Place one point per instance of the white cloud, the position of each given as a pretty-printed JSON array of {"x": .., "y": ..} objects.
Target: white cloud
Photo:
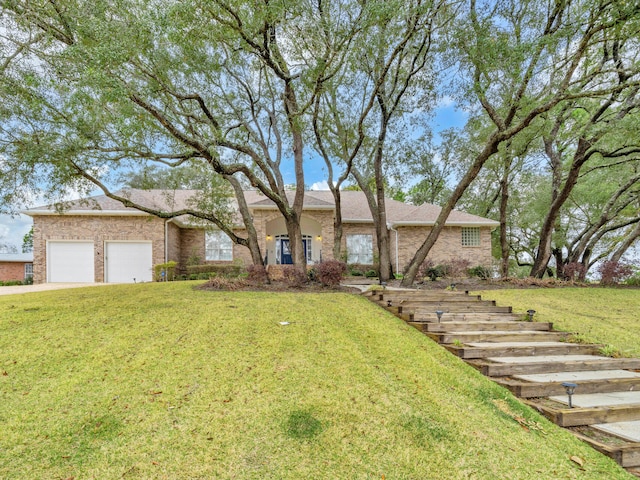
[
  {"x": 322, "y": 185},
  {"x": 13, "y": 229}
]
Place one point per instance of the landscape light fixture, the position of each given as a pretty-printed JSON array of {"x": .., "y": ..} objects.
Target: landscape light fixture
[
  {"x": 531, "y": 312},
  {"x": 384, "y": 285},
  {"x": 388, "y": 303},
  {"x": 453, "y": 286},
  {"x": 439, "y": 314},
  {"x": 570, "y": 388}
]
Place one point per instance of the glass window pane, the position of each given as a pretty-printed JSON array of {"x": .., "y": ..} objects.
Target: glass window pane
[
  {"x": 470, "y": 236},
  {"x": 218, "y": 246},
  {"x": 360, "y": 249}
]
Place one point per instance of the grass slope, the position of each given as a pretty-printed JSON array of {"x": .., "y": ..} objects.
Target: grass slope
[
  {"x": 600, "y": 315},
  {"x": 162, "y": 381}
]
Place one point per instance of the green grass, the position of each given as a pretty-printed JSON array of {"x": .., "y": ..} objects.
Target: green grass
[
  {"x": 608, "y": 316},
  {"x": 162, "y": 381}
]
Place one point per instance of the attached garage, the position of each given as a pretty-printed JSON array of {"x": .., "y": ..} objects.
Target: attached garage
[
  {"x": 69, "y": 261},
  {"x": 128, "y": 262}
]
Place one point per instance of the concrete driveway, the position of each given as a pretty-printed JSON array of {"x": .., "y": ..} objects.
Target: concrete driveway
[{"x": 43, "y": 287}]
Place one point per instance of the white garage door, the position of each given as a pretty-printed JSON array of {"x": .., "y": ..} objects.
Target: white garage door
[
  {"x": 128, "y": 262},
  {"x": 70, "y": 262}
]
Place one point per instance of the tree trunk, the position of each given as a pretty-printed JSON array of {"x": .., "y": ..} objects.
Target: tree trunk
[
  {"x": 337, "y": 224},
  {"x": 544, "y": 245},
  {"x": 252, "y": 236},
  {"x": 622, "y": 249},
  {"x": 504, "y": 202},
  {"x": 412, "y": 269},
  {"x": 292, "y": 219}
]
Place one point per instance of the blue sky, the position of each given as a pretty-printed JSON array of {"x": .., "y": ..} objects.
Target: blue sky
[{"x": 12, "y": 230}]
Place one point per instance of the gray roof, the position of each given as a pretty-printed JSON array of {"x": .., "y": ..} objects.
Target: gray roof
[
  {"x": 16, "y": 257},
  {"x": 355, "y": 208}
]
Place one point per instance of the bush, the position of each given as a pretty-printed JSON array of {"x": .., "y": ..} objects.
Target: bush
[
  {"x": 429, "y": 269},
  {"x": 481, "y": 272},
  {"x": 612, "y": 273},
  {"x": 257, "y": 274},
  {"x": 229, "y": 270},
  {"x": 330, "y": 272},
  {"x": 294, "y": 276},
  {"x": 165, "y": 272},
  {"x": 457, "y": 267},
  {"x": 573, "y": 271},
  {"x": 222, "y": 283}
]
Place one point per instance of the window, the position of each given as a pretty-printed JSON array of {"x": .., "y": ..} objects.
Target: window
[
  {"x": 218, "y": 246},
  {"x": 360, "y": 249},
  {"x": 28, "y": 270},
  {"x": 470, "y": 236}
]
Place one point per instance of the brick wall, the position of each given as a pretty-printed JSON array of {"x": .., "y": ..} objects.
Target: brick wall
[
  {"x": 447, "y": 247},
  {"x": 10, "y": 271},
  {"x": 97, "y": 229}
]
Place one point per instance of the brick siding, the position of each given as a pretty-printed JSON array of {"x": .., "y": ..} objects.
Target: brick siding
[
  {"x": 10, "y": 271},
  {"x": 97, "y": 229}
]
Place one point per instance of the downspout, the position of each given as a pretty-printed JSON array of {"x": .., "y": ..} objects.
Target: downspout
[
  {"x": 166, "y": 240},
  {"x": 397, "y": 260}
]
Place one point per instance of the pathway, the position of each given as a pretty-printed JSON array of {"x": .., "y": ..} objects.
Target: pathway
[{"x": 535, "y": 362}]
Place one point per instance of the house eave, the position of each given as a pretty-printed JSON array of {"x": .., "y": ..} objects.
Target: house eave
[
  {"x": 491, "y": 224},
  {"x": 99, "y": 213}
]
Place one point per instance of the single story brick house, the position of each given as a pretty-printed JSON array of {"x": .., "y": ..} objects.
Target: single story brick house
[
  {"x": 15, "y": 266},
  {"x": 100, "y": 240}
]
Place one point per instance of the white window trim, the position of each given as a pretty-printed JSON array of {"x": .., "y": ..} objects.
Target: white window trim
[{"x": 215, "y": 254}]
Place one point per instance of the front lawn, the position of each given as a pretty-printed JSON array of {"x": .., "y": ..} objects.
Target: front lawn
[
  {"x": 163, "y": 381},
  {"x": 610, "y": 316}
]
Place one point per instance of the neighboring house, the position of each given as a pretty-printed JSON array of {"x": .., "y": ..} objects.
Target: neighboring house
[
  {"x": 100, "y": 240},
  {"x": 15, "y": 266}
]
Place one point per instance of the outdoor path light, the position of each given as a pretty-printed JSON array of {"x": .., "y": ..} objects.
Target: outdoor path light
[
  {"x": 531, "y": 312},
  {"x": 570, "y": 388},
  {"x": 439, "y": 314}
]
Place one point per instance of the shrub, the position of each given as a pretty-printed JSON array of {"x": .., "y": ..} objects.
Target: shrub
[
  {"x": 257, "y": 274},
  {"x": 223, "y": 283},
  {"x": 574, "y": 271},
  {"x": 330, "y": 272},
  {"x": 168, "y": 269},
  {"x": 429, "y": 269},
  {"x": 457, "y": 267},
  {"x": 612, "y": 272},
  {"x": 481, "y": 272},
  {"x": 357, "y": 269},
  {"x": 229, "y": 270},
  {"x": 294, "y": 276}
]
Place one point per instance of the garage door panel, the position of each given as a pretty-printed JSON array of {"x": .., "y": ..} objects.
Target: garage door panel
[
  {"x": 128, "y": 262},
  {"x": 71, "y": 262}
]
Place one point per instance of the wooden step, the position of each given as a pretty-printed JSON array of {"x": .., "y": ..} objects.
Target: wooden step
[
  {"x": 573, "y": 417},
  {"x": 524, "y": 389},
  {"x": 456, "y": 309},
  {"x": 432, "y": 298},
  {"x": 626, "y": 455},
  {"x": 522, "y": 349},
  {"x": 420, "y": 294},
  {"x": 484, "y": 326},
  {"x": 497, "y": 336},
  {"x": 542, "y": 365},
  {"x": 429, "y": 316}
]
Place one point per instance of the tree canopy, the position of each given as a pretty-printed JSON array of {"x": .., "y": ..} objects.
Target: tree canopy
[{"x": 224, "y": 95}]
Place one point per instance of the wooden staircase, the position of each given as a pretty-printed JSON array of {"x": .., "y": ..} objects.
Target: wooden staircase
[{"x": 533, "y": 361}]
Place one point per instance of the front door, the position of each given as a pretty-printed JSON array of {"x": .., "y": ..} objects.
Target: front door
[{"x": 285, "y": 252}]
